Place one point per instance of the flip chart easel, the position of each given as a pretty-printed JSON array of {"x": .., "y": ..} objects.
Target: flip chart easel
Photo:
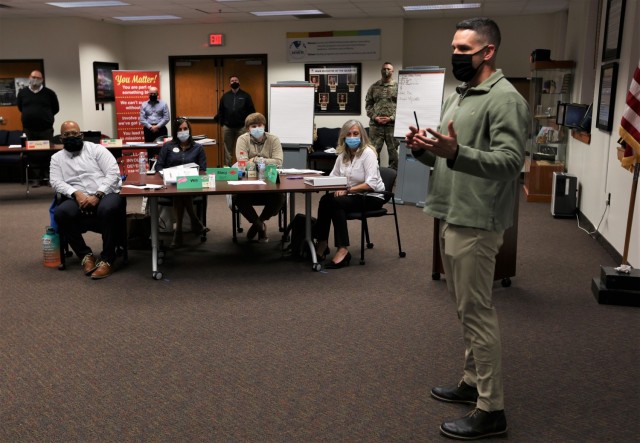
[
  {"x": 420, "y": 90},
  {"x": 291, "y": 112}
]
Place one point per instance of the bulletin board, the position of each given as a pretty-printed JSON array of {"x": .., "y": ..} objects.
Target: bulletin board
[{"x": 337, "y": 87}]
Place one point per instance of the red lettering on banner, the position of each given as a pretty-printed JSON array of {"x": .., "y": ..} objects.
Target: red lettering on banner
[{"x": 130, "y": 90}]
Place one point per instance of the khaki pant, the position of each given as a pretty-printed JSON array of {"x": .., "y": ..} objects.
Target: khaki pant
[{"x": 468, "y": 258}]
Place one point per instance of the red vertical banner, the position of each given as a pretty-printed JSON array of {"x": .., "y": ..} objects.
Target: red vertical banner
[{"x": 131, "y": 90}]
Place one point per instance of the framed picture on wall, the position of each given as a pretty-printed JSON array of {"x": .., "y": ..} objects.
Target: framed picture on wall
[
  {"x": 337, "y": 87},
  {"x": 614, "y": 21},
  {"x": 607, "y": 96},
  {"x": 103, "y": 81}
]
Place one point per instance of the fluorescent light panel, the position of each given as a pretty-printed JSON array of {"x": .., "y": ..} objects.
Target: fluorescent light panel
[
  {"x": 439, "y": 7},
  {"x": 301, "y": 12},
  {"x": 96, "y": 4},
  {"x": 148, "y": 17}
]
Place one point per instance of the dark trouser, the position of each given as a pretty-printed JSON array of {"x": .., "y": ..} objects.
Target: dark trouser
[
  {"x": 230, "y": 136},
  {"x": 150, "y": 136},
  {"x": 42, "y": 134},
  {"x": 109, "y": 219},
  {"x": 272, "y": 202},
  {"x": 380, "y": 135},
  {"x": 335, "y": 209}
]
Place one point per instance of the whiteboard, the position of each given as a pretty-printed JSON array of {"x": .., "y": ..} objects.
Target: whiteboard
[
  {"x": 419, "y": 91},
  {"x": 291, "y": 113}
]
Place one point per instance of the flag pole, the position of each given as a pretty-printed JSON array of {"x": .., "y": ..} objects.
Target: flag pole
[{"x": 632, "y": 202}]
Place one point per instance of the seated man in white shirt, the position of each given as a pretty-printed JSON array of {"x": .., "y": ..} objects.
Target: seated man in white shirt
[{"x": 88, "y": 178}]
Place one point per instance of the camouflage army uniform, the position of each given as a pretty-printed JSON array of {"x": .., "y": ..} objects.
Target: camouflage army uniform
[{"x": 381, "y": 102}]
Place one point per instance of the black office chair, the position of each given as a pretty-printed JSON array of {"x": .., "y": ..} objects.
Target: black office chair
[
  {"x": 236, "y": 218},
  {"x": 91, "y": 224},
  {"x": 200, "y": 205},
  {"x": 388, "y": 176}
]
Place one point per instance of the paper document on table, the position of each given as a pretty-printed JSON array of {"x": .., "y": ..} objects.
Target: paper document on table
[
  {"x": 170, "y": 175},
  {"x": 149, "y": 186},
  {"x": 246, "y": 182},
  {"x": 299, "y": 171},
  {"x": 15, "y": 146}
]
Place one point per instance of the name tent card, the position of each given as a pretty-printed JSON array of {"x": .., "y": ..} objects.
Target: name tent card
[{"x": 224, "y": 174}]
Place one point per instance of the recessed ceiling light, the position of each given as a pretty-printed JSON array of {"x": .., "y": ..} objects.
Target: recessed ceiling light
[
  {"x": 437, "y": 7},
  {"x": 148, "y": 17},
  {"x": 96, "y": 4},
  {"x": 301, "y": 12}
]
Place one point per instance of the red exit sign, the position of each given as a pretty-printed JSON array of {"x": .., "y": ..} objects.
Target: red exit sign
[{"x": 216, "y": 39}]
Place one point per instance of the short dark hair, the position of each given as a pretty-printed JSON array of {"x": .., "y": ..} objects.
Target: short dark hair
[{"x": 483, "y": 26}]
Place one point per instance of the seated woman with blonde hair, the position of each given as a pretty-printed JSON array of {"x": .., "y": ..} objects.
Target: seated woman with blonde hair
[
  {"x": 358, "y": 161},
  {"x": 182, "y": 149}
]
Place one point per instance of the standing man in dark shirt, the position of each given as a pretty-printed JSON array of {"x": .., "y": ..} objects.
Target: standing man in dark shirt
[
  {"x": 154, "y": 116},
  {"x": 38, "y": 105},
  {"x": 235, "y": 106}
]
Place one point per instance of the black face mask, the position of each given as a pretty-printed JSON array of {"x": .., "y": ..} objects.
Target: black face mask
[
  {"x": 235, "y": 85},
  {"x": 463, "y": 69},
  {"x": 73, "y": 144},
  {"x": 153, "y": 97}
]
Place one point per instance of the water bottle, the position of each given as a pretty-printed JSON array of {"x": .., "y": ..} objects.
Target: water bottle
[
  {"x": 142, "y": 158},
  {"x": 23, "y": 140},
  {"x": 261, "y": 168},
  {"x": 51, "y": 248}
]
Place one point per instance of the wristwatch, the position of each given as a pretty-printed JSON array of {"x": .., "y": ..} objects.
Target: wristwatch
[{"x": 99, "y": 194}]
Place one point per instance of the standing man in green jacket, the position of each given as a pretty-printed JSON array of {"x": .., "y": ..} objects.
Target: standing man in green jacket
[
  {"x": 380, "y": 103},
  {"x": 477, "y": 153}
]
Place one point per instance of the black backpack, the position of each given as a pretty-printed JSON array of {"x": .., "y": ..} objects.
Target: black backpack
[{"x": 295, "y": 231}]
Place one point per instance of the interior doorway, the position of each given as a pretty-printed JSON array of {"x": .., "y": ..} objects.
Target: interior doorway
[{"x": 197, "y": 84}]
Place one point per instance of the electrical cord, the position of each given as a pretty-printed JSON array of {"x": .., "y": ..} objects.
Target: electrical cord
[{"x": 597, "y": 227}]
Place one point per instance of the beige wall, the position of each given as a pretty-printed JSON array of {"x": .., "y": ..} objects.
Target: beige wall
[{"x": 70, "y": 46}]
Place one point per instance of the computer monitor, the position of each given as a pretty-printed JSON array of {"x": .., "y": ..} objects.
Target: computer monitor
[
  {"x": 92, "y": 136},
  {"x": 574, "y": 114}
]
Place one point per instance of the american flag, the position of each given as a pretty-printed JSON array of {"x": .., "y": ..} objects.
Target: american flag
[{"x": 630, "y": 125}]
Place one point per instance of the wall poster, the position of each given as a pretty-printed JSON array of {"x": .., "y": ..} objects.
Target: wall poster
[
  {"x": 131, "y": 89},
  {"x": 103, "y": 81},
  {"x": 337, "y": 87}
]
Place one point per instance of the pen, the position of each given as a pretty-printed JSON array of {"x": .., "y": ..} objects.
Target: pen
[{"x": 416, "y": 117}]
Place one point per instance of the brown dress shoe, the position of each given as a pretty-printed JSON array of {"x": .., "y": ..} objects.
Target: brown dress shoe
[
  {"x": 103, "y": 270},
  {"x": 89, "y": 264}
]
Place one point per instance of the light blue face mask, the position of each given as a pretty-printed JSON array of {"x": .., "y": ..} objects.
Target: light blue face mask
[
  {"x": 352, "y": 142},
  {"x": 257, "y": 133},
  {"x": 183, "y": 136}
]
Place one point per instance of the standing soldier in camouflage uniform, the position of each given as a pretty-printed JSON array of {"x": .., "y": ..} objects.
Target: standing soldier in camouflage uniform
[{"x": 380, "y": 103}]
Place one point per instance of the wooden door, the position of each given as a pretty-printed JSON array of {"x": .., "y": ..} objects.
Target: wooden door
[{"x": 198, "y": 82}]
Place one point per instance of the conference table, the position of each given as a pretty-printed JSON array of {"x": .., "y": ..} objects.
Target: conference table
[{"x": 288, "y": 183}]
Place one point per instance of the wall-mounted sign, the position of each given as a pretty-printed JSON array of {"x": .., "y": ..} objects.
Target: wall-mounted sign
[{"x": 216, "y": 39}]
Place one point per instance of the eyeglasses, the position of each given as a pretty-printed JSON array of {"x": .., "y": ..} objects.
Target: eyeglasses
[{"x": 71, "y": 134}]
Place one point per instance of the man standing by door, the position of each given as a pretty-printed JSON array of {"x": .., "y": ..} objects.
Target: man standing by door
[
  {"x": 38, "y": 105},
  {"x": 154, "y": 116},
  {"x": 235, "y": 106},
  {"x": 380, "y": 104}
]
